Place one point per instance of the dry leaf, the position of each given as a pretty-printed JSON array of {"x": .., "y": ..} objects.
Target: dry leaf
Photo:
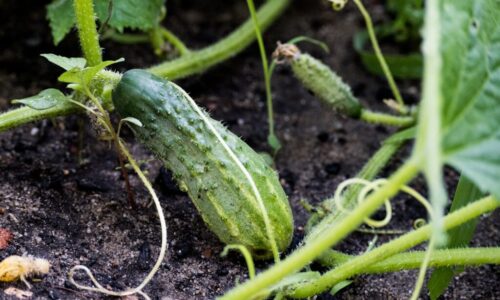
[
  {"x": 19, "y": 294},
  {"x": 5, "y": 237}
]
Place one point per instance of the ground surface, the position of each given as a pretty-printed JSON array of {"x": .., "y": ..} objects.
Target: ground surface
[{"x": 73, "y": 213}]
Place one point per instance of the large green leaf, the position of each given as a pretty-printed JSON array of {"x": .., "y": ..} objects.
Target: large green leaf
[
  {"x": 135, "y": 14},
  {"x": 470, "y": 86}
]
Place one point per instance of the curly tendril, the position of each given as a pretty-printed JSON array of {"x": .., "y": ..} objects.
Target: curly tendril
[
  {"x": 338, "y": 4},
  {"x": 369, "y": 187}
]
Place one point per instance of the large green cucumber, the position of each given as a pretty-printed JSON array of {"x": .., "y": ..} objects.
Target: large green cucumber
[{"x": 178, "y": 132}]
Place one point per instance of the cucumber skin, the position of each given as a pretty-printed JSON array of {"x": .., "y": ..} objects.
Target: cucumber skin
[
  {"x": 325, "y": 84},
  {"x": 174, "y": 131}
]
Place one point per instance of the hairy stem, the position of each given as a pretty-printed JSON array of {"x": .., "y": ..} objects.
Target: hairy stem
[
  {"x": 360, "y": 263},
  {"x": 386, "y": 119},
  {"x": 429, "y": 132},
  {"x": 25, "y": 114},
  {"x": 201, "y": 60},
  {"x": 413, "y": 259},
  {"x": 305, "y": 255},
  {"x": 87, "y": 32},
  {"x": 378, "y": 52}
]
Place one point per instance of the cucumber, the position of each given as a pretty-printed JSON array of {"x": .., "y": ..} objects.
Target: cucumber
[
  {"x": 320, "y": 79},
  {"x": 182, "y": 136},
  {"x": 325, "y": 84}
]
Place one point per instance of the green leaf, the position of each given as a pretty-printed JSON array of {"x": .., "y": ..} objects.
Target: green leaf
[
  {"x": 61, "y": 18},
  {"x": 134, "y": 14},
  {"x": 84, "y": 76},
  {"x": 90, "y": 72},
  {"x": 471, "y": 90},
  {"x": 45, "y": 99},
  {"x": 67, "y": 63},
  {"x": 465, "y": 193},
  {"x": 340, "y": 286}
]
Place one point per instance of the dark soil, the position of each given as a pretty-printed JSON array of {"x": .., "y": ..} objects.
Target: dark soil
[{"x": 75, "y": 212}]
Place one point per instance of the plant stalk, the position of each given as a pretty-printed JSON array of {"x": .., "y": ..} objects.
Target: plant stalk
[
  {"x": 175, "y": 41},
  {"x": 308, "y": 252},
  {"x": 200, "y": 60},
  {"x": 25, "y": 114},
  {"x": 360, "y": 263},
  {"x": 267, "y": 76},
  {"x": 378, "y": 52},
  {"x": 413, "y": 259},
  {"x": 87, "y": 31},
  {"x": 386, "y": 119}
]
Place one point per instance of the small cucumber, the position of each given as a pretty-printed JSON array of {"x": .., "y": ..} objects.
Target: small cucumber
[
  {"x": 321, "y": 80},
  {"x": 178, "y": 132}
]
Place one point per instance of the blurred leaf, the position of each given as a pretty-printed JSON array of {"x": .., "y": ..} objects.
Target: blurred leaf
[
  {"x": 465, "y": 193},
  {"x": 61, "y": 18},
  {"x": 470, "y": 52},
  {"x": 134, "y": 14},
  {"x": 67, "y": 63},
  {"x": 45, "y": 99},
  {"x": 402, "y": 66}
]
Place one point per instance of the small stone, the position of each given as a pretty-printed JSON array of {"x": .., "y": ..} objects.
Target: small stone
[
  {"x": 144, "y": 258},
  {"x": 333, "y": 168},
  {"x": 323, "y": 137},
  {"x": 53, "y": 295}
]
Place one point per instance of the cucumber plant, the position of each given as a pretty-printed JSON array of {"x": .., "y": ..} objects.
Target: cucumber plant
[
  {"x": 115, "y": 17},
  {"x": 239, "y": 196}
]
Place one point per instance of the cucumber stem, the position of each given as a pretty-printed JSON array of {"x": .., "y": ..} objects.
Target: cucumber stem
[
  {"x": 25, "y": 114},
  {"x": 378, "y": 52},
  {"x": 386, "y": 119},
  {"x": 360, "y": 263},
  {"x": 200, "y": 60},
  {"x": 87, "y": 32},
  {"x": 272, "y": 139},
  {"x": 175, "y": 41},
  {"x": 306, "y": 254},
  {"x": 413, "y": 259}
]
